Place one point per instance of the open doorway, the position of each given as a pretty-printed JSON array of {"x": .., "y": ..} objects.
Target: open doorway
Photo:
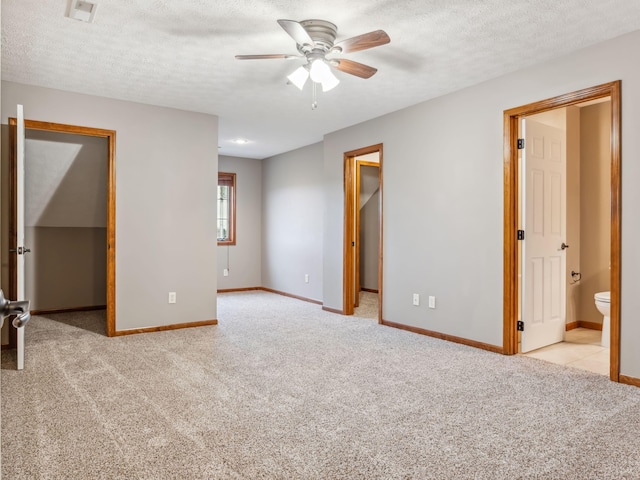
[
  {"x": 363, "y": 233},
  {"x": 541, "y": 272},
  {"x": 66, "y": 219},
  {"x": 576, "y": 334}
]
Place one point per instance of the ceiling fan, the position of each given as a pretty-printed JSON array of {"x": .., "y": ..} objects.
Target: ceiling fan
[{"x": 315, "y": 42}]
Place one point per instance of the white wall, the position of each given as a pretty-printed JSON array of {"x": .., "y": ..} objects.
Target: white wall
[
  {"x": 292, "y": 203},
  {"x": 369, "y": 200},
  {"x": 370, "y": 240},
  {"x": 244, "y": 258},
  {"x": 595, "y": 206},
  {"x": 65, "y": 180},
  {"x": 66, "y": 268},
  {"x": 573, "y": 213},
  {"x": 166, "y": 166},
  {"x": 443, "y": 196},
  {"x": 440, "y": 238}
]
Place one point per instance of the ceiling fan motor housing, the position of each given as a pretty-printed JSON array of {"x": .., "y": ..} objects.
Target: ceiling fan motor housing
[{"x": 322, "y": 33}]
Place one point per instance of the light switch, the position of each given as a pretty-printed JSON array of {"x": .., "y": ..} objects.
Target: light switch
[{"x": 432, "y": 302}]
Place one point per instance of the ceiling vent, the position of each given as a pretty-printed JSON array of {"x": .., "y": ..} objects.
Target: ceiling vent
[{"x": 82, "y": 10}]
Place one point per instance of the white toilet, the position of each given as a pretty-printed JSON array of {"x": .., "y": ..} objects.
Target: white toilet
[{"x": 603, "y": 304}]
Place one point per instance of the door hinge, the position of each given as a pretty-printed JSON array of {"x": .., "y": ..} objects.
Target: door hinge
[
  {"x": 520, "y": 326},
  {"x": 520, "y": 143},
  {"x": 520, "y": 234}
]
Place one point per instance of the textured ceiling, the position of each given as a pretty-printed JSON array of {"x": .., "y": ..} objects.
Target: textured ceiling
[{"x": 181, "y": 54}]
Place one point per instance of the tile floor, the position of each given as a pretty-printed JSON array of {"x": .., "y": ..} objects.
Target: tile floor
[{"x": 581, "y": 349}]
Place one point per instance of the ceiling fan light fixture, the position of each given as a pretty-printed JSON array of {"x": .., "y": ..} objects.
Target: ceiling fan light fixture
[
  {"x": 299, "y": 77},
  {"x": 330, "y": 82},
  {"x": 320, "y": 71}
]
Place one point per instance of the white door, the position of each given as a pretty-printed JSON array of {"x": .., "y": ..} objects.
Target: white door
[
  {"x": 20, "y": 202},
  {"x": 543, "y": 248},
  {"x": 20, "y": 225}
]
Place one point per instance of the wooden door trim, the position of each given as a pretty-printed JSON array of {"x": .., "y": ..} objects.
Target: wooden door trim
[
  {"x": 348, "y": 278},
  {"x": 356, "y": 238},
  {"x": 348, "y": 254},
  {"x": 110, "y": 136},
  {"x": 359, "y": 164},
  {"x": 511, "y": 195}
]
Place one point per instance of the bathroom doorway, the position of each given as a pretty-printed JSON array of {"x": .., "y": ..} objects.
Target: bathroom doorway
[
  {"x": 544, "y": 301},
  {"x": 580, "y": 216},
  {"x": 363, "y": 233}
]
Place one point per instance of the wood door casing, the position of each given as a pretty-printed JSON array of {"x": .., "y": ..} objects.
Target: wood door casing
[
  {"x": 511, "y": 118},
  {"x": 110, "y": 136}
]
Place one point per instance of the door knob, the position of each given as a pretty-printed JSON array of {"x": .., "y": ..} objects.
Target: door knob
[{"x": 564, "y": 246}]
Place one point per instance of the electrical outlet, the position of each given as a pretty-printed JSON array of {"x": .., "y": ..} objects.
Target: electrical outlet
[
  {"x": 225, "y": 272},
  {"x": 416, "y": 299},
  {"x": 172, "y": 297},
  {"x": 306, "y": 278},
  {"x": 432, "y": 302}
]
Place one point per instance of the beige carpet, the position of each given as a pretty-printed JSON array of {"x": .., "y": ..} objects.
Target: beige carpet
[
  {"x": 282, "y": 390},
  {"x": 368, "y": 306}
]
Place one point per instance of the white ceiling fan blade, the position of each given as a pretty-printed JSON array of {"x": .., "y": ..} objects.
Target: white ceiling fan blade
[{"x": 296, "y": 31}]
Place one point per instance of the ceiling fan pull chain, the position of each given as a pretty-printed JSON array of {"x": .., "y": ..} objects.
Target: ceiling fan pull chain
[{"x": 314, "y": 102}]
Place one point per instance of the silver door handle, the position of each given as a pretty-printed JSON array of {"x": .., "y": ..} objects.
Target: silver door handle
[
  {"x": 564, "y": 246},
  {"x": 21, "y": 309}
]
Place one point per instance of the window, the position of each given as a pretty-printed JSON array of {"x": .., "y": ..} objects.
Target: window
[{"x": 226, "y": 208}]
